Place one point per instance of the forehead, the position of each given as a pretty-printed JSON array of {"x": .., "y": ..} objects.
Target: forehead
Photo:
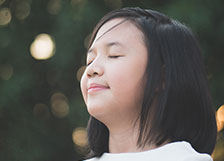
[{"x": 120, "y": 30}]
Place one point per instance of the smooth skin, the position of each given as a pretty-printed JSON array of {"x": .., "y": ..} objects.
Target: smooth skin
[{"x": 117, "y": 60}]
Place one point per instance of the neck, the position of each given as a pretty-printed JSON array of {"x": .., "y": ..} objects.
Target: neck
[{"x": 123, "y": 140}]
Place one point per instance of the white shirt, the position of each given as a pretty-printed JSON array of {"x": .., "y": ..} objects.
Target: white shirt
[{"x": 176, "y": 151}]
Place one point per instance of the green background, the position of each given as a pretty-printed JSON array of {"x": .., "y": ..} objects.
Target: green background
[{"x": 29, "y": 135}]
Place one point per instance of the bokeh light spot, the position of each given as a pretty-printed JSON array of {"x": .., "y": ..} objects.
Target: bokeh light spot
[
  {"x": 220, "y": 113},
  {"x": 6, "y": 71},
  {"x": 219, "y": 125},
  {"x": 57, "y": 96},
  {"x": 220, "y": 118},
  {"x": 22, "y": 10},
  {"x": 59, "y": 105},
  {"x": 43, "y": 47},
  {"x": 80, "y": 72},
  {"x": 79, "y": 137},
  {"x": 41, "y": 111},
  {"x": 5, "y": 16}
]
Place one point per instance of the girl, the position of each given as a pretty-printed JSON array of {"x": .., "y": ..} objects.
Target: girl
[{"x": 146, "y": 91}]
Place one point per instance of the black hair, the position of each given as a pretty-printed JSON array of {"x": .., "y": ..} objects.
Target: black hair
[{"x": 177, "y": 104}]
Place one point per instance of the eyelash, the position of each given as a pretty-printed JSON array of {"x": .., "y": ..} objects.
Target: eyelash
[{"x": 113, "y": 57}]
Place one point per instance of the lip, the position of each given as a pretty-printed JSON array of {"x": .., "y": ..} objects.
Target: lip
[{"x": 93, "y": 87}]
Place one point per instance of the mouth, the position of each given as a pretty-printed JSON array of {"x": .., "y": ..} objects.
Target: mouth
[{"x": 95, "y": 88}]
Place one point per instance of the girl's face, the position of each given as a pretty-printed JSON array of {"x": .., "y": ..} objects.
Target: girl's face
[{"x": 112, "y": 84}]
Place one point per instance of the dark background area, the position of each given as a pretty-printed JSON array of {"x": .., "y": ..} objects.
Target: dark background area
[{"x": 42, "y": 113}]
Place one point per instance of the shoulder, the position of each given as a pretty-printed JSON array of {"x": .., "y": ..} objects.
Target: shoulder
[
  {"x": 92, "y": 159},
  {"x": 198, "y": 158},
  {"x": 183, "y": 151},
  {"x": 176, "y": 151}
]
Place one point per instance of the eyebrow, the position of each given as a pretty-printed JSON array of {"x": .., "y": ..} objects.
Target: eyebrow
[{"x": 108, "y": 45}]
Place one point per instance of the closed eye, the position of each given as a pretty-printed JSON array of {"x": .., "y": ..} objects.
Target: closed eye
[
  {"x": 112, "y": 56},
  {"x": 115, "y": 56}
]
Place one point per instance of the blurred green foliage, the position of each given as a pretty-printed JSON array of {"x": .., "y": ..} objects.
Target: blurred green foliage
[{"x": 29, "y": 134}]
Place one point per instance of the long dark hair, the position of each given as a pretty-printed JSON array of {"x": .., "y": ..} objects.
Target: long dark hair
[{"x": 177, "y": 105}]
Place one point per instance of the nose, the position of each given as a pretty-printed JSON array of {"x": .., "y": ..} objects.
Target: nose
[{"x": 94, "y": 69}]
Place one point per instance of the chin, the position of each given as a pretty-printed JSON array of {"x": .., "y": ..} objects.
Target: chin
[{"x": 95, "y": 111}]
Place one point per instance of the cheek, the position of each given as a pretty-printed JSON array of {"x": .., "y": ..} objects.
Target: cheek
[
  {"x": 127, "y": 76},
  {"x": 83, "y": 86},
  {"x": 127, "y": 83}
]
